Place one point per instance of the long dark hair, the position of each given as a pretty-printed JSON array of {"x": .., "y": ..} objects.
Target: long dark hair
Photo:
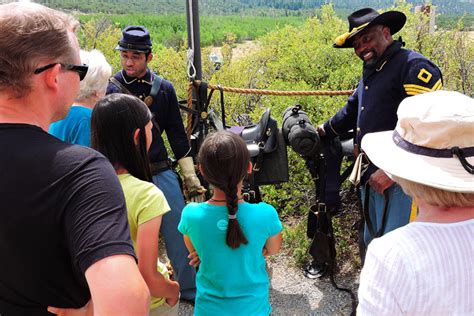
[
  {"x": 115, "y": 119},
  {"x": 224, "y": 160}
]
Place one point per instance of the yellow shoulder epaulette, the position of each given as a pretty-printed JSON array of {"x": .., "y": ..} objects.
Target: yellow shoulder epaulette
[{"x": 414, "y": 89}]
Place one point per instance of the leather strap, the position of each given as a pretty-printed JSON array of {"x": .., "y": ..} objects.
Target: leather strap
[
  {"x": 154, "y": 92},
  {"x": 368, "y": 221},
  {"x": 222, "y": 106},
  {"x": 119, "y": 85},
  {"x": 155, "y": 88},
  {"x": 157, "y": 167}
]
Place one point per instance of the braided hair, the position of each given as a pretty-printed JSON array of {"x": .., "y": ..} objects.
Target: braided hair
[{"x": 224, "y": 160}]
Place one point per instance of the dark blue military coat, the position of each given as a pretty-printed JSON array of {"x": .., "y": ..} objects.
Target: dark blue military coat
[
  {"x": 165, "y": 109},
  {"x": 373, "y": 106}
]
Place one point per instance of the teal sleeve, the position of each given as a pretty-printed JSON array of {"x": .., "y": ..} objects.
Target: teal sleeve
[
  {"x": 271, "y": 217},
  {"x": 82, "y": 135},
  {"x": 183, "y": 223}
]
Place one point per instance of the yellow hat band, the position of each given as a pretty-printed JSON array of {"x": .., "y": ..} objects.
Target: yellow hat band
[{"x": 341, "y": 39}]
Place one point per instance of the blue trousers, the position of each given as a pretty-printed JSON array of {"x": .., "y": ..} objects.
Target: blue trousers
[
  {"x": 398, "y": 210},
  {"x": 185, "y": 274}
]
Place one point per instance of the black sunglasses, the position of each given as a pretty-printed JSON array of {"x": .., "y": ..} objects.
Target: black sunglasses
[{"x": 80, "y": 69}]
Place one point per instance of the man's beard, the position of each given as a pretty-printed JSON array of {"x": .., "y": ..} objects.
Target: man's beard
[{"x": 373, "y": 60}]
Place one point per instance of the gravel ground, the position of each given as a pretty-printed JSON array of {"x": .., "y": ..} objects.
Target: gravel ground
[{"x": 291, "y": 293}]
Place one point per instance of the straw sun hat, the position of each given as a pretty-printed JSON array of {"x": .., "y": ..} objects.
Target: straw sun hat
[{"x": 432, "y": 144}]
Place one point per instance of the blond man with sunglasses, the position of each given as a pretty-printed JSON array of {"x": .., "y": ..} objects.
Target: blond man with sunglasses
[{"x": 64, "y": 235}]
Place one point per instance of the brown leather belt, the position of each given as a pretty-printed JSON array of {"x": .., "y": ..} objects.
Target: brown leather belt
[{"x": 157, "y": 167}]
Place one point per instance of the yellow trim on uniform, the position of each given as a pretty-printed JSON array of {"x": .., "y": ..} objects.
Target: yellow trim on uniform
[
  {"x": 414, "y": 89},
  {"x": 330, "y": 125},
  {"x": 424, "y": 75},
  {"x": 381, "y": 66},
  {"x": 413, "y": 212},
  {"x": 438, "y": 85}
]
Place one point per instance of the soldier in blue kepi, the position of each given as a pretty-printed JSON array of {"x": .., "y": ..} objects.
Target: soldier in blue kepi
[
  {"x": 390, "y": 74},
  {"x": 137, "y": 79}
]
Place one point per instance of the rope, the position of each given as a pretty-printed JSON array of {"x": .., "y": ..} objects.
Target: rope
[
  {"x": 197, "y": 83},
  {"x": 189, "y": 126},
  {"x": 190, "y": 55},
  {"x": 191, "y": 70},
  {"x": 191, "y": 67},
  {"x": 276, "y": 92}
]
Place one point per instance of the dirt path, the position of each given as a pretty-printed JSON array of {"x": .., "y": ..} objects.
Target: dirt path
[{"x": 240, "y": 50}]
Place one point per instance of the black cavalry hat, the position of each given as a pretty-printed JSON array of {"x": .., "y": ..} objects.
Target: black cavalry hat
[
  {"x": 363, "y": 18},
  {"x": 136, "y": 39}
]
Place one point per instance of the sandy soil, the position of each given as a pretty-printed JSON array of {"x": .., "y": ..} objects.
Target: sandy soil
[{"x": 240, "y": 50}]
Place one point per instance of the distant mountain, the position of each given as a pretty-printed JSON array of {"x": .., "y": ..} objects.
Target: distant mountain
[
  {"x": 443, "y": 6},
  {"x": 217, "y": 7}
]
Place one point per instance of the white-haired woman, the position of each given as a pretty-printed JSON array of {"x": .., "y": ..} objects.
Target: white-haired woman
[
  {"x": 427, "y": 266},
  {"x": 75, "y": 128}
]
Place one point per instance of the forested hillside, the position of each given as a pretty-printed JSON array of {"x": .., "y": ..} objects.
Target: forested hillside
[
  {"x": 285, "y": 7},
  {"x": 170, "y": 30},
  {"x": 445, "y": 6}
]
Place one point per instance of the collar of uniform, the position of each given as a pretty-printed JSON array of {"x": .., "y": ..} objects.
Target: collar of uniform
[
  {"x": 147, "y": 78},
  {"x": 391, "y": 50}
]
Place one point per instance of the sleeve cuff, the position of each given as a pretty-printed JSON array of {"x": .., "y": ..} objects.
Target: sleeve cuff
[
  {"x": 114, "y": 248},
  {"x": 329, "y": 130}
]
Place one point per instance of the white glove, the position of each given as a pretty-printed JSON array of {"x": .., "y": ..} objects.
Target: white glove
[{"x": 193, "y": 190}]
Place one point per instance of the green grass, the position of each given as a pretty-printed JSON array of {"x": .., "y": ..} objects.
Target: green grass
[
  {"x": 171, "y": 30},
  {"x": 295, "y": 243}
]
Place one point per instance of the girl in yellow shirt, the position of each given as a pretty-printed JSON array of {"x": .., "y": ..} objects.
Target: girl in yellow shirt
[{"x": 121, "y": 131}]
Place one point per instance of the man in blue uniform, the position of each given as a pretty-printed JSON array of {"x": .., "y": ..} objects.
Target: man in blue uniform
[
  {"x": 137, "y": 79},
  {"x": 390, "y": 74}
]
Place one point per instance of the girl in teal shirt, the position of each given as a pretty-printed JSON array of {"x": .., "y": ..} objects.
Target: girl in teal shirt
[{"x": 231, "y": 237}]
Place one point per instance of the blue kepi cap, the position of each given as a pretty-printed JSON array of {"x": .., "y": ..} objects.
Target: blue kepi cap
[{"x": 135, "y": 38}]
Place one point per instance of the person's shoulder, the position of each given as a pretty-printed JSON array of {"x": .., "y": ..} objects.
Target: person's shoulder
[
  {"x": 140, "y": 185},
  {"x": 405, "y": 55},
  {"x": 81, "y": 109},
  {"x": 118, "y": 76},
  {"x": 80, "y": 112},
  {"x": 111, "y": 87},
  {"x": 165, "y": 84},
  {"x": 392, "y": 243},
  {"x": 421, "y": 75},
  {"x": 77, "y": 161},
  {"x": 193, "y": 207},
  {"x": 262, "y": 208},
  {"x": 415, "y": 58},
  {"x": 81, "y": 154},
  {"x": 194, "y": 211},
  {"x": 80, "y": 151},
  {"x": 411, "y": 54},
  {"x": 266, "y": 206}
]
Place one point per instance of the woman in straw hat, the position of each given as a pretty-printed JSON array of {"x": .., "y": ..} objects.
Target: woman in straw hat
[{"x": 426, "y": 267}]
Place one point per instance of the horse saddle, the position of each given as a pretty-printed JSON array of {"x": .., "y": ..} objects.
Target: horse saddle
[
  {"x": 261, "y": 138},
  {"x": 266, "y": 147}
]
